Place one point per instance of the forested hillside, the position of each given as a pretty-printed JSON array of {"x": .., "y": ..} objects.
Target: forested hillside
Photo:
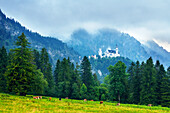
[
  {"x": 100, "y": 65},
  {"x": 10, "y": 30},
  {"x": 88, "y": 44}
]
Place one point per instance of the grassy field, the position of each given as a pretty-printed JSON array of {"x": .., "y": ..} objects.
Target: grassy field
[{"x": 20, "y": 104}]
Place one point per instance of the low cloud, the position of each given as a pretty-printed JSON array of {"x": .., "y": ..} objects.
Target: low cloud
[{"x": 145, "y": 20}]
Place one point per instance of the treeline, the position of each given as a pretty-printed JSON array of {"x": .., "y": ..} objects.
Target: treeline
[{"x": 23, "y": 71}]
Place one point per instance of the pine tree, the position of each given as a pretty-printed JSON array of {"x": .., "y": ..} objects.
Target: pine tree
[
  {"x": 136, "y": 84},
  {"x": 64, "y": 78},
  {"x": 165, "y": 88},
  {"x": 148, "y": 86},
  {"x": 57, "y": 71},
  {"x": 21, "y": 70},
  {"x": 159, "y": 79},
  {"x": 86, "y": 73},
  {"x": 37, "y": 58},
  {"x": 38, "y": 84},
  {"x": 83, "y": 91},
  {"x": 3, "y": 68},
  {"x": 75, "y": 91},
  {"x": 46, "y": 69},
  {"x": 117, "y": 82},
  {"x": 131, "y": 76}
]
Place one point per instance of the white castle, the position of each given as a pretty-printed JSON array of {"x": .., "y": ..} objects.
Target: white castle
[{"x": 108, "y": 53}]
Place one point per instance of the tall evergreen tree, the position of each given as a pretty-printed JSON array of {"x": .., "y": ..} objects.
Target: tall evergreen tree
[
  {"x": 131, "y": 76},
  {"x": 136, "y": 84},
  {"x": 165, "y": 88},
  {"x": 86, "y": 73},
  {"x": 46, "y": 69},
  {"x": 21, "y": 68},
  {"x": 148, "y": 86},
  {"x": 3, "y": 68},
  {"x": 83, "y": 91},
  {"x": 117, "y": 82},
  {"x": 57, "y": 71},
  {"x": 159, "y": 79},
  {"x": 64, "y": 79},
  {"x": 37, "y": 58}
]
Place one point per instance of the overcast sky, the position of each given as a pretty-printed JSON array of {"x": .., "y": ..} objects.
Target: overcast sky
[{"x": 143, "y": 19}]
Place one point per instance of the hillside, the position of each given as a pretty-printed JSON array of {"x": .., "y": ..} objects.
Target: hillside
[
  {"x": 89, "y": 44},
  {"x": 20, "y": 104},
  {"x": 10, "y": 30},
  {"x": 99, "y": 66}
]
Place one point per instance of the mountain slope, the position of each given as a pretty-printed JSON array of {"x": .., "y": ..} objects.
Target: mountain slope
[
  {"x": 10, "y": 30},
  {"x": 89, "y": 44},
  {"x": 157, "y": 52}
]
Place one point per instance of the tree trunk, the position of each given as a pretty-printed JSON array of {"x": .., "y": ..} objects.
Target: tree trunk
[{"x": 119, "y": 98}]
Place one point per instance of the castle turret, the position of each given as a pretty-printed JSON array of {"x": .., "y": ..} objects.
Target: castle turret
[{"x": 100, "y": 52}]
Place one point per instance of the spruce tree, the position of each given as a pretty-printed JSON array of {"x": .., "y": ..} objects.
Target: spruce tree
[
  {"x": 136, "y": 84},
  {"x": 21, "y": 70},
  {"x": 148, "y": 86},
  {"x": 57, "y": 71},
  {"x": 75, "y": 91},
  {"x": 37, "y": 58},
  {"x": 46, "y": 69},
  {"x": 3, "y": 68},
  {"x": 131, "y": 76},
  {"x": 86, "y": 73},
  {"x": 83, "y": 91},
  {"x": 165, "y": 88},
  {"x": 117, "y": 81}
]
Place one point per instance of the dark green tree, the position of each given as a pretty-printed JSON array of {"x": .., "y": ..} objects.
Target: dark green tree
[
  {"x": 136, "y": 84},
  {"x": 86, "y": 74},
  {"x": 131, "y": 76},
  {"x": 3, "y": 68},
  {"x": 37, "y": 58},
  {"x": 148, "y": 84},
  {"x": 75, "y": 91},
  {"x": 83, "y": 91},
  {"x": 117, "y": 81},
  {"x": 21, "y": 70},
  {"x": 165, "y": 88},
  {"x": 46, "y": 69},
  {"x": 38, "y": 84},
  {"x": 57, "y": 71}
]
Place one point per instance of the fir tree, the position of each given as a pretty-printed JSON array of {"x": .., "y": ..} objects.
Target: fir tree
[
  {"x": 117, "y": 81},
  {"x": 3, "y": 68},
  {"x": 136, "y": 84},
  {"x": 86, "y": 73},
  {"x": 165, "y": 88},
  {"x": 57, "y": 71},
  {"x": 131, "y": 76},
  {"x": 21, "y": 69},
  {"x": 148, "y": 86},
  {"x": 46, "y": 69},
  {"x": 83, "y": 91},
  {"x": 37, "y": 58},
  {"x": 75, "y": 91}
]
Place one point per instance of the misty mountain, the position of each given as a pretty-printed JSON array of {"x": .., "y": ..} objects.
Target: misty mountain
[
  {"x": 10, "y": 30},
  {"x": 89, "y": 44},
  {"x": 157, "y": 52}
]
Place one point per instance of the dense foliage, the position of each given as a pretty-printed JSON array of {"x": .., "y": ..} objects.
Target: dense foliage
[
  {"x": 100, "y": 65},
  {"x": 24, "y": 71}
]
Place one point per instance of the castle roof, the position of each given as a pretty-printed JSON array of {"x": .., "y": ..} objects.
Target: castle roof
[{"x": 111, "y": 51}]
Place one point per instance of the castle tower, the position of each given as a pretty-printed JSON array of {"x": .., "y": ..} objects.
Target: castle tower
[
  {"x": 100, "y": 52},
  {"x": 117, "y": 50}
]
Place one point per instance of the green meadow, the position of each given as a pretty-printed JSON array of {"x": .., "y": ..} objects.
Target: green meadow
[{"x": 26, "y": 104}]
